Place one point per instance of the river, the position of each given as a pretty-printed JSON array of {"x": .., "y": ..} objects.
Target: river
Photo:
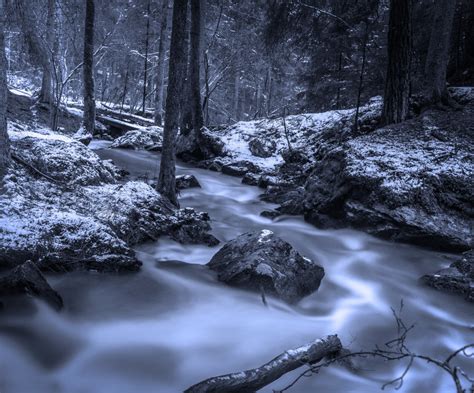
[{"x": 172, "y": 324}]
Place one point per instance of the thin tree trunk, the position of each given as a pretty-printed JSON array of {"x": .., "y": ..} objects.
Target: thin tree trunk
[
  {"x": 236, "y": 93},
  {"x": 4, "y": 140},
  {"x": 361, "y": 76},
  {"x": 397, "y": 82},
  {"x": 125, "y": 85},
  {"x": 145, "y": 66},
  {"x": 160, "y": 69},
  {"x": 177, "y": 69},
  {"x": 46, "y": 93},
  {"x": 438, "y": 52},
  {"x": 89, "y": 100}
]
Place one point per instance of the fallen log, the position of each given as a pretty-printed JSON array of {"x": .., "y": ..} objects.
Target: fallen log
[{"x": 254, "y": 379}]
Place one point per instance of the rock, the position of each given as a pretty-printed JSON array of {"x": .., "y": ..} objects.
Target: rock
[
  {"x": 294, "y": 156},
  {"x": 240, "y": 168},
  {"x": 27, "y": 279},
  {"x": 186, "y": 181},
  {"x": 251, "y": 179},
  {"x": 261, "y": 147},
  {"x": 149, "y": 138},
  {"x": 83, "y": 136},
  {"x": 63, "y": 159},
  {"x": 410, "y": 182},
  {"x": 458, "y": 278},
  {"x": 190, "y": 146},
  {"x": 262, "y": 261},
  {"x": 270, "y": 214},
  {"x": 189, "y": 227}
]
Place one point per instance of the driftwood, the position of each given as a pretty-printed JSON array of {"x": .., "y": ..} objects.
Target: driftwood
[{"x": 257, "y": 378}]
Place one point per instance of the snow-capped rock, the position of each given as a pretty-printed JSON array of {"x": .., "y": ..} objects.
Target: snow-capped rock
[
  {"x": 83, "y": 136},
  {"x": 64, "y": 209},
  {"x": 409, "y": 182},
  {"x": 141, "y": 139},
  {"x": 261, "y": 261}
]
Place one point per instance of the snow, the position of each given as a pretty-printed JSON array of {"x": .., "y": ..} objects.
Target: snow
[
  {"x": 303, "y": 131},
  {"x": 86, "y": 217}
]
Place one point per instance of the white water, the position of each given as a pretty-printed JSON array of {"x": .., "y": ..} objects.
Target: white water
[{"x": 173, "y": 324}]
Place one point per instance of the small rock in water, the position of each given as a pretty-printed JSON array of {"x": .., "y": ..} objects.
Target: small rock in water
[
  {"x": 240, "y": 168},
  {"x": 186, "y": 181},
  {"x": 457, "y": 278},
  {"x": 261, "y": 261},
  {"x": 27, "y": 279}
]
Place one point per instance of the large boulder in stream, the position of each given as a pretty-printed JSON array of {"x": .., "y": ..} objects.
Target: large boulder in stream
[
  {"x": 457, "y": 278},
  {"x": 261, "y": 261},
  {"x": 26, "y": 279}
]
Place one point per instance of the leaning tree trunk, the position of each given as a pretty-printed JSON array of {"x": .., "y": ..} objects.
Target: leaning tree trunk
[
  {"x": 88, "y": 69},
  {"x": 160, "y": 67},
  {"x": 177, "y": 70},
  {"x": 438, "y": 52},
  {"x": 4, "y": 141},
  {"x": 397, "y": 83}
]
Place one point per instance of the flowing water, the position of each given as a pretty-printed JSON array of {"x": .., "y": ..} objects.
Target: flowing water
[{"x": 172, "y": 324}]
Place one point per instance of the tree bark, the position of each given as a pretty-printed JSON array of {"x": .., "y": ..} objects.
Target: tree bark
[
  {"x": 4, "y": 140},
  {"x": 145, "y": 66},
  {"x": 397, "y": 83},
  {"x": 160, "y": 69},
  {"x": 257, "y": 378},
  {"x": 39, "y": 53},
  {"x": 438, "y": 52},
  {"x": 177, "y": 70},
  {"x": 195, "y": 66},
  {"x": 88, "y": 69}
]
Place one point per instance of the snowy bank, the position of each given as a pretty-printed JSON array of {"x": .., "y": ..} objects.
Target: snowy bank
[{"x": 64, "y": 208}]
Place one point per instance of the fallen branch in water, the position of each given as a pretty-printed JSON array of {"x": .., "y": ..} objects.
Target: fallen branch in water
[
  {"x": 396, "y": 350},
  {"x": 257, "y": 378}
]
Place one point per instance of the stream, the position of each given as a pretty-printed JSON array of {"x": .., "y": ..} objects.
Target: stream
[{"x": 173, "y": 324}]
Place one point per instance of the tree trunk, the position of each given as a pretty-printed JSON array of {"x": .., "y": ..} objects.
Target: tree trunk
[
  {"x": 39, "y": 53},
  {"x": 361, "y": 76},
  {"x": 236, "y": 93},
  {"x": 89, "y": 100},
  {"x": 46, "y": 93},
  {"x": 397, "y": 83},
  {"x": 438, "y": 52},
  {"x": 160, "y": 69},
  {"x": 145, "y": 66},
  {"x": 177, "y": 71},
  {"x": 257, "y": 378},
  {"x": 4, "y": 141},
  {"x": 195, "y": 66}
]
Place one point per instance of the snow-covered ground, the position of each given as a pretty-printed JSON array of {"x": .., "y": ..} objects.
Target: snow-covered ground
[
  {"x": 65, "y": 208},
  {"x": 302, "y": 131}
]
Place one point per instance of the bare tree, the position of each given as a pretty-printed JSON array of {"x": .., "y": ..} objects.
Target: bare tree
[
  {"x": 145, "y": 60},
  {"x": 4, "y": 141},
  {"x": 88, "y": 69},
  {"x": 160, "y": 67},
  {"x": 177, "y": 70},
  {"x": 397, "y": 81}
]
